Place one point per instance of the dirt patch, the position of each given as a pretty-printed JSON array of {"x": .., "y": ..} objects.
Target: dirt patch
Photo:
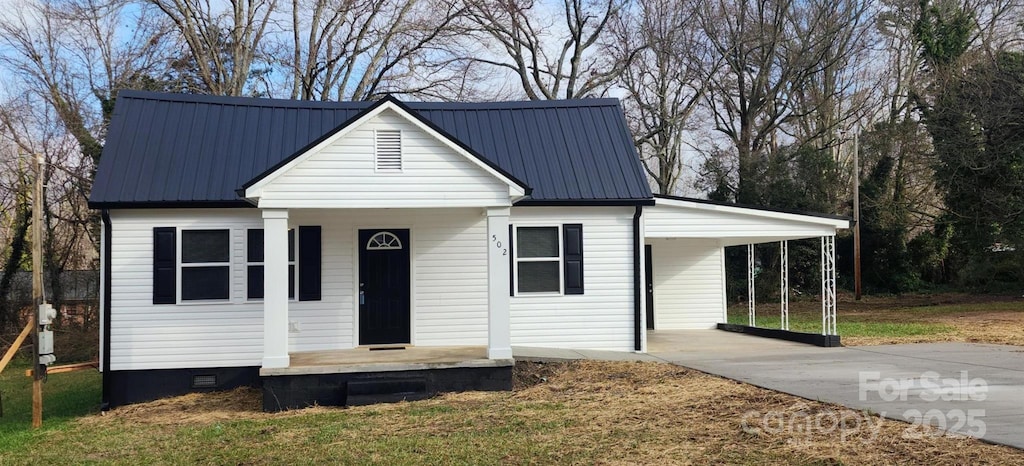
[{"x": 530, "y": 373}]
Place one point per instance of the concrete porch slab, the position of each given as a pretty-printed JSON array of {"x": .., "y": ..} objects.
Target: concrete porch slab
[{"x": 363, "y": 360}]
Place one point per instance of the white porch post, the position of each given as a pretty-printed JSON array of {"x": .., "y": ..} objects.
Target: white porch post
[
  {"x": 828, "y": 285},
  {"x": 499, "y": 333},
  {"x": 751, "y": 308},
  {"x": 784, "y": 282},
  {"x": 275, "y": 288}
]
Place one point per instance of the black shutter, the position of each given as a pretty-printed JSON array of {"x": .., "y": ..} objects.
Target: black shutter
[
  {"x": 511, "y": 264},
  {"x": 309, "y": 263},
  {"x": 165, "y": 260},
  {"x": 254, "y": 274},
  {"x": 573, "y": 250}
]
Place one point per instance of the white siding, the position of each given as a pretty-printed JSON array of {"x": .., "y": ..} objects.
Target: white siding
[
  {"x": 688, "y": 283},
  {"x": 148, "y": 336},
  {"x": 343, "y": 174},
  {"x": 733, "y": 228},
  {"x": 449, "y": 287},
  {"x": 449, "y": 269},
  {"x": 602, "y": 317}
]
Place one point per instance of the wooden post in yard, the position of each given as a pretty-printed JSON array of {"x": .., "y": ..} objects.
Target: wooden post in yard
[{"x": 37, "y": 293}]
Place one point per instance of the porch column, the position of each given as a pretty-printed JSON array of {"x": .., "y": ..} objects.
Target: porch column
[
  {"x": 828, "y": 285},
  {"x": 499, "y": 333},
  {"x": 275, "y": 288},
  {"x": 751, "y": 294},
  {"x": 784, "y": 283}
]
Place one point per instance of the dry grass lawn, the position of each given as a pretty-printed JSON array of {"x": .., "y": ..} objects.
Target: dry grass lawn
[
  {"x": 970, "y": 318},
  {"x": 559, "y": 413},
  {"x": 879, "y": 320}
]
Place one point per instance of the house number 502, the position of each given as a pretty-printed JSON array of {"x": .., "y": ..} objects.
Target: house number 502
[{"x": 497, "y": 244}]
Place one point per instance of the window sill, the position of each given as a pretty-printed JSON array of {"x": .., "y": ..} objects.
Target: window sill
[
  {"x": 202, "y": 302},
  {"x": 538, "y": 294}
]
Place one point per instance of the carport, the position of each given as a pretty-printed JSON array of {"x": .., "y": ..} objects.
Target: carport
[{"x": 684, "y": 259}]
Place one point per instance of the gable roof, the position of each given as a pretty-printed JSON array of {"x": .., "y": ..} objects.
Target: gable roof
[
  {"x": 393, "y": 104},
  {"x": 175, "y": 150}
]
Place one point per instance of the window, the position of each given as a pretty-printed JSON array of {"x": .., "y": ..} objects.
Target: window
[
  {"x": 388, "y": 150},
  {"x": 538, "y": 260},
  {"x": 384, "y": 240},
  {"x": 254, "y": 263},
  {"x": 205, "y": 264},
  {"x": 548, "y": 259},
  {"x": 194, "y": 265}
]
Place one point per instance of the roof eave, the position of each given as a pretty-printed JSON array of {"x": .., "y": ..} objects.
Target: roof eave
[
  {"x": 833, "y": 220},
  {"x": 584, "y": 202}
]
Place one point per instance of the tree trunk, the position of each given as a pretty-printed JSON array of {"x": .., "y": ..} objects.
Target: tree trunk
[{"x": 9, "y": 314}]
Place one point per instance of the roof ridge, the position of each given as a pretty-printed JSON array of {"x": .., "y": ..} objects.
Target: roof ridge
[{"x": 320, "y": 104}]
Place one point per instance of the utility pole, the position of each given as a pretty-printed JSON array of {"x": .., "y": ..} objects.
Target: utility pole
[
  {"x": 856, "y": 215},
  {"x": 37, "y": 293}
]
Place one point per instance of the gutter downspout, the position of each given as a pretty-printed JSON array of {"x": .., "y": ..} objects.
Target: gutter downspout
[
  {"x": 105, "y": 308},
  {"x": 637, "y": 250}
]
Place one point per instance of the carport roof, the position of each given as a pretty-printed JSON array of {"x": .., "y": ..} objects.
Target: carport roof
[{"x": 731, "y": 224}]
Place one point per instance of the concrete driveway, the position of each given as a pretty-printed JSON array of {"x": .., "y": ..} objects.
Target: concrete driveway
[{"x": 971, "y": 389}]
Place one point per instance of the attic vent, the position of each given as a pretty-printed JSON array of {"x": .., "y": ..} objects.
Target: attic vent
[{"x": 389, "y": 150}]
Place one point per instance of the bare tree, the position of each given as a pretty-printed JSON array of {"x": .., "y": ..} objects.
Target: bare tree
[
  {"x": 766, "y": 53},
  {"x": 70, "y": 54},
  {"x": 224, "y": 42},
  {"x": 665, "y": 82},
  {"x": 66, "y": 61},
  {"x": 548, "y": 58},
  {"x": 360, "y": 49}
]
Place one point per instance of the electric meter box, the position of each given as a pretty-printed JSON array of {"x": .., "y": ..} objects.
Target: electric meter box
[
  {"x": 46, "y": 314},
  {"x": 46, "y": 342}
]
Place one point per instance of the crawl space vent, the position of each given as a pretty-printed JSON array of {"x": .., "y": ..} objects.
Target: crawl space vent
[{"x": 204, "y": 381}]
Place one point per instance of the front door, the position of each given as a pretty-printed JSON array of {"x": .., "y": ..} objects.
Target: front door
[
  {"x": 650, "y": 285},
  {"x": 384, "y": 287}
]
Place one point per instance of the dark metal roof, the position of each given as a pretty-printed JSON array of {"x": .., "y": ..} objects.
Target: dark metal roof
[{"x": 177, "y": 150}]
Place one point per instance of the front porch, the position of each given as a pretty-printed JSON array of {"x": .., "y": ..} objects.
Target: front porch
[
  {"x": 359, "y": 376},
  {"x": 385, "y": 359}
]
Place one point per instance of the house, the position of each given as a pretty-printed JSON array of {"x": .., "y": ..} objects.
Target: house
[
  {"x": 346, "y": 253},
  {"x": 75, "y": 299}
]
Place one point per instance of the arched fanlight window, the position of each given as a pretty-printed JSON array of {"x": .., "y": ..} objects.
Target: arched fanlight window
[{"x": 383, "y": 241}]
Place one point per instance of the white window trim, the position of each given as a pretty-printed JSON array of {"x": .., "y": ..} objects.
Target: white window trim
[
  {"x": 295, "y": 263},
  {"x": 401, "y": 153},
  {"x": 180, "y": 236},
  {"x": 516, "y": 260}
]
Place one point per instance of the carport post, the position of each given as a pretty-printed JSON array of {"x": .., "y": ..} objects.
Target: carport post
[
  {"x": 784, "y": 285},
  {"x": 828, "y": 285},
  {"x": 750, "y": 285}
]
